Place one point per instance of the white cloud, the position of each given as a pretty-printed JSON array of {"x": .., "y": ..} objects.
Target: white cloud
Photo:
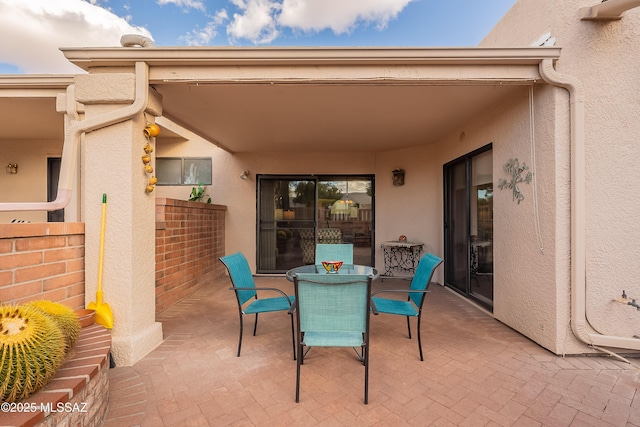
[
  {"x": 260, "y": 21},
  {"x": 31, "y": 32},
  {"x": 256, "y": 22},
  {"x": 184, "y": 4},
  {"x": 204, "y": 36},
  {"x": 338, "y": 15}
]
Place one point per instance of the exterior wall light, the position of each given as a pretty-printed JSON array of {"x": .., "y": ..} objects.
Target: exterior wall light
[
  {"x": 398, "y": 177},
  {"x": 12, "y": 168}
]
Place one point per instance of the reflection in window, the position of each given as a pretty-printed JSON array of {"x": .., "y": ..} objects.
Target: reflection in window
[{"x": 183, "y": 171}]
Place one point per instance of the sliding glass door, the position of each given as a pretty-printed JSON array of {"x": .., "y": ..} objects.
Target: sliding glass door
[
  {"x": 282, "y": 220},
  {"x": 469, "y": 225},
  {"x": 296, "y": 212}
]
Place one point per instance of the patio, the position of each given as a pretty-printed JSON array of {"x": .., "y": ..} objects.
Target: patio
[{"x": 476, "y": 371}]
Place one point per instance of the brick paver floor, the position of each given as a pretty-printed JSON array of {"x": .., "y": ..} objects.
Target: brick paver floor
[{"x": 476, "y": 372}]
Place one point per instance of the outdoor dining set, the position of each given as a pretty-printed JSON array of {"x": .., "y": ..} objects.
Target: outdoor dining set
[{"x": 332, "y": 301}]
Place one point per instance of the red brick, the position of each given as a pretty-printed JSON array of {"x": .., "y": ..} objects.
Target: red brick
[
  {"x": 76, "y": 240},
  {"x": 21, "y": 259},
  {"x": 40, "y": 242},
  {"x": 89, "y": 371},
  {"x": 6, "y": 246},
  {"x": 6, "y": 278},
  {"x": 54, "y": 295},
  {"x": 67, "y": 253},
  {"x": 75, "y": 384},
  {"x": 15, "y": 293},
  {"x": 76, "y": 302},
  {"x": 75, "y": 264},
  {"x": 75, "y": 289},
  {"x": 63, "y": 281},
  {"x": 39, "y": 272}
]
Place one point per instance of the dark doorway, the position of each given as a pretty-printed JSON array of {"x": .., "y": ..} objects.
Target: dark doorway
[
  {"x": 468, "y": 225},
  {"x": 53, "y": 175}
]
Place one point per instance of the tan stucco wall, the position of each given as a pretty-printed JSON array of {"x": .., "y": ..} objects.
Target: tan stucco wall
[
  {"x": 414, "y": 209},
  {"x": 240, "y": 195},
  {"x": 129, "y": 247},
  {"x": 524, "y": 260},
  {"x": 601, "y": 56},
  {"x": 30, "y": 183}
]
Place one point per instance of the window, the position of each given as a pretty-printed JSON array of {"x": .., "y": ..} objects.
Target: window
[
  {"x": 295, "y": 212},
  {"x": 183, "y": 170}
]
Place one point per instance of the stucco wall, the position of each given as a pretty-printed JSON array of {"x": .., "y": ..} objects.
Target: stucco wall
[
  {"x": 601, "y": 56},
  {"x": 30, "y": 183},
  {"x": 240, "y": 195},
  {"x": 531, "y": 284},
  {"x": 414, "y": 209},
  {"x": 525, "y": 262}
]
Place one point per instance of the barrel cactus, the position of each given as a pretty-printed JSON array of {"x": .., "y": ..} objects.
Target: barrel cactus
[
  {"x": 32, "y": 348},
  {"x": 63, "y": 316}
]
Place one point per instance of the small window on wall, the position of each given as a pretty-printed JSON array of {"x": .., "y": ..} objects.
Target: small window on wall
[{"x": 183, "y": 170}]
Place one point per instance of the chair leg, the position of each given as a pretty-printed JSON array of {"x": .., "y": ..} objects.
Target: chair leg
[
  {"x": 255, "y": 326},
  {"x": 409, "y": 327},
  {"x": 298, "y": 363},
  {"x": 293, "y": 338},
  {"x": 240, "y": 338},
  {"x": 366, "y": 374},
  {"x": 419, "y": 338}
]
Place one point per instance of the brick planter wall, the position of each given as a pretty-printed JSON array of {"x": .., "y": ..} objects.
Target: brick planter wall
[
  {"x": 189, "y": 240},
  {"x": 79, "y": 393},
  {"x": 42, "y": 261}
]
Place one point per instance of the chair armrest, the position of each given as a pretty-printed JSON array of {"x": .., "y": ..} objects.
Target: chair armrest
[
  {"x": 403, "y": 291},
  {"x": 284, "y": 295}
]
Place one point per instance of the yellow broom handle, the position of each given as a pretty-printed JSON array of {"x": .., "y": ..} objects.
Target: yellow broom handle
[{"x": 101, "y": 256}]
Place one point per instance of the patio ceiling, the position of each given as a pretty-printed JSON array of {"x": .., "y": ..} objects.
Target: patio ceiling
[
  {"x": 297, "y": 99},
  {"x": 319, "y": 117},
  {"x": 28, "y": 106}
]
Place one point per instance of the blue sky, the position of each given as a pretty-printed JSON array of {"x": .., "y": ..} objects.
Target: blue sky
[{"x": 31, "y": 31}]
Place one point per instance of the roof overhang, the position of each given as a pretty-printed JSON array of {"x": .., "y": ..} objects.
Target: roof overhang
[
  {"x": 87, "y": 58},
  {"x": 315, "y": 99},
  {"x": 28, "y": 105}
]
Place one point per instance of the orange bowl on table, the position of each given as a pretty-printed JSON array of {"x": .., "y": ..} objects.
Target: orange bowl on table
[{"x": 332, "y": 266}]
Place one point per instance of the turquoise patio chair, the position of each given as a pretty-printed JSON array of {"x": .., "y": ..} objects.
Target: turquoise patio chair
[
  {"x": 412, "y": 307},
  {"x": 332, "y": 311},
  {"x": 245, "y": 290},
  {"x": 334, "y": 252}
]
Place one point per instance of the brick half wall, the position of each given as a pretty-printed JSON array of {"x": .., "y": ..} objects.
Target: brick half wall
[
  {"x": 42, "y": 261},
  {"x": 189, "y": 241}
]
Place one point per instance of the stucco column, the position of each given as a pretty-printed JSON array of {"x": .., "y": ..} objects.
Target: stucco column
[{"x": 111, "y": 164}]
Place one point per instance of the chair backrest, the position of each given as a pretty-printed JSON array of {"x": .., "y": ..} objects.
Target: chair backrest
[
  {"x": 333, "y": 305},
  {"x": 334, "y": 252},
  {"x": 420, "y": 282},
  {"x": 240, "y": 274}
]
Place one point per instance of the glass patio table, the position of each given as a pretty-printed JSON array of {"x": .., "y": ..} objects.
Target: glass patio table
[{"x": 346, "y": 269}]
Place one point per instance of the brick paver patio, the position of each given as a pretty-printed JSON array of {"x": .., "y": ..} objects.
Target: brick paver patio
[{"x": 476, "y": 372}]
